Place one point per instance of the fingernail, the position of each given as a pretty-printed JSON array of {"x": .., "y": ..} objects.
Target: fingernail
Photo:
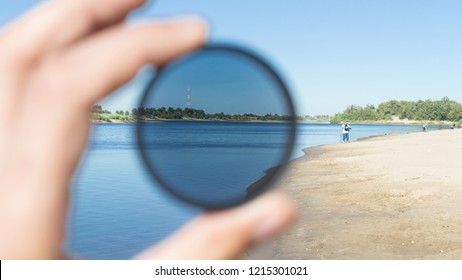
[{"x": 192, "y": 24}]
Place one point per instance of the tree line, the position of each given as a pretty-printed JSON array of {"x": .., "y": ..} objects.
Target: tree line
[
  {"x": 100, "y": 114},
  {"x": 421, "y": 110},
  {"x": 190, "y": 113}
]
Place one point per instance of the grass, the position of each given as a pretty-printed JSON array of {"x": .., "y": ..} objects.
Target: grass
[{"x": 109, "y": 118}]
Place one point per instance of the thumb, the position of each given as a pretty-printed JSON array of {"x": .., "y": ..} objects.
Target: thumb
[{"x": 225, "y": 234}]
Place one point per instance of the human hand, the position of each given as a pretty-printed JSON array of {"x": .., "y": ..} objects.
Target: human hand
[{"x": 55, "y": 63}]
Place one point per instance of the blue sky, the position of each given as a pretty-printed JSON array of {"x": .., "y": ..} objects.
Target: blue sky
[
  {"x": 219, "y": 81},
  {"x": 333, "y": 53}
]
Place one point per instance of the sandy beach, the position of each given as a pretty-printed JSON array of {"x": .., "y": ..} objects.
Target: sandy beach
[{"x": 387, "y": 197}]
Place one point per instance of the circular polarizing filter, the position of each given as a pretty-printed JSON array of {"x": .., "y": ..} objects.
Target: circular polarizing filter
[{"x": 216, "y": 127}]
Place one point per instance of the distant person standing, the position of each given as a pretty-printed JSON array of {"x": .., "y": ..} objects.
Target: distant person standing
[
  {"x": 424, "y": 128},
  {"x": 345, "y": 130}
]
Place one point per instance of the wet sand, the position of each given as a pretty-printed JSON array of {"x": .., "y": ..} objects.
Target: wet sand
[{"x": 387, "y": 197}]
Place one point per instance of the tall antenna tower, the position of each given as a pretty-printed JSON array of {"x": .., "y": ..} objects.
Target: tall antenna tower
[{"x": 188, "y": 98}]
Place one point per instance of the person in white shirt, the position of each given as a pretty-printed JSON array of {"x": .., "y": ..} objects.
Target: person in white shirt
[{"x": 345, "y": 130}]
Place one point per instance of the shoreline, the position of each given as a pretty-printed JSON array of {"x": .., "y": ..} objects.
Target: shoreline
[
  {"x": 432, "y": 123},
  {"x": 413, "y": 123},
  {"x": 308, "y": 151},
  {"x": 383, "y": 197}
]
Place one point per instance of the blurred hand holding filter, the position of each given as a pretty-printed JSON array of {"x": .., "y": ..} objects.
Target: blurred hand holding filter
[{"x": 216, "y": 127}]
